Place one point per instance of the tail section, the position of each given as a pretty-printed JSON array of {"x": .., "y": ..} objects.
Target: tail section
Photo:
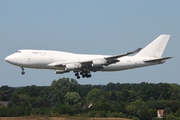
[{"x": 156, "y": 48}]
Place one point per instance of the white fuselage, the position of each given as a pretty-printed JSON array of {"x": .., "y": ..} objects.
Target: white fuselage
[{"x": 40, "y": 59}]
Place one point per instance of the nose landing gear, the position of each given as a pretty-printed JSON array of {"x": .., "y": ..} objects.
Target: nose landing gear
[{"x": 22, "y": 71}]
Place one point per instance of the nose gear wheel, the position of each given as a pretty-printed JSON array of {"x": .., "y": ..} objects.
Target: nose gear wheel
[{"x": 22, "y": 71}]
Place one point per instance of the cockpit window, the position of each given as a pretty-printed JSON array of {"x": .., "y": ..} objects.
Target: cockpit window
[{"x": 18, "y": 51}]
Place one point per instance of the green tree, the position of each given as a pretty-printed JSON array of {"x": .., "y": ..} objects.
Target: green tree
[
  {"x": 167, "y": 110},
  {"x": 174, "y": 105},
  {"x": 33, "y": 91},
  {"x": 4, "y": 111},
  {"x": 6, "y": 93},
  {"x": 72, "y": 98},
  {"x": 20, "y": 100},
  {"x": 174, "y": 92},
  {"x": 94, "y": 96},
  {"x": 110, "y": 87},
  {"x": 130, "y": 109},
  {"x": 59, "y": 88},
  {"x": 170, "y": 117},
  {"x": 127, "y": 96},
  {"x": 133, "y": 107},
  {"x": 152, "y": 112},
  {"x": 144, "y": 114},
  {"x": 178, "y": 112}
]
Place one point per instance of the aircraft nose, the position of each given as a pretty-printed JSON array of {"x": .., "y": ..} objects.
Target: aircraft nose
[
  {"x": 10, "y": 59},
  {"x": 7, "y": 59}
]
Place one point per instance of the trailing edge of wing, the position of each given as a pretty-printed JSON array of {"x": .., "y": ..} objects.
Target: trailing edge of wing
[
  {"x": 159, "y": 59},
  {"x": 122, "y": 55}
]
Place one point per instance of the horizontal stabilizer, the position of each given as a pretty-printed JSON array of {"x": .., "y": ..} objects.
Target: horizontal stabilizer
[{"x": 158, "y": 60}]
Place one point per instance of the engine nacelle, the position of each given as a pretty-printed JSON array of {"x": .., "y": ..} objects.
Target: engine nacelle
[
  {"x": 60, "y": 71},
  {"x": 98, "y": 63},
  {"x": 71, "y": 67}
]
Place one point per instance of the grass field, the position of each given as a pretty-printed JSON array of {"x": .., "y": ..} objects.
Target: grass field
[{"x": 58, "y": 118}]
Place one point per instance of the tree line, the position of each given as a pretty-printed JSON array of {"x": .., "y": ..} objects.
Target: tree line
[{"x": 65, "y": 97}]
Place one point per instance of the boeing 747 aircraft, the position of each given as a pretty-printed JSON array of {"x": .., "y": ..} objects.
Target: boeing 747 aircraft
[{"x": 83, "y": 64}]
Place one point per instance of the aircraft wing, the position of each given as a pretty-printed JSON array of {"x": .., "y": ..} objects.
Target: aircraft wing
[
  {"x": 122, "y": 55},
  {"x": 110, "y": 59},
  {"x": 97, "y": 64},
  {"x": 94, "y": 64}
]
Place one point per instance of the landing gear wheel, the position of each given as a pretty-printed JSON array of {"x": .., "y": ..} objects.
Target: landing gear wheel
[
  {"x": 85, "y": 74},
  {"x": 89, "y": 75},
  {"x": 77, "y": 75},
  {"x": 81, "y": 73},
  {"x": 22, "y": 72}
]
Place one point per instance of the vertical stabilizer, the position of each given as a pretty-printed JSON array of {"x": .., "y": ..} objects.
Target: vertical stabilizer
[{"x": 156, "y": 48}]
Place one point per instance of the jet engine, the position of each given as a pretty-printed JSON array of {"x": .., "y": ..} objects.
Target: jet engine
[
  {"x": 60, "y": 71},
  {"x": 99, "y": 63},
  {"x": 71, "y": 67}
]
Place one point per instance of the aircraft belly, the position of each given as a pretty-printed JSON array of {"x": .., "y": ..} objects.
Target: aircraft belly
[
  {"x": 124, "y": 65},
  {"x": 116, "y": 67}
]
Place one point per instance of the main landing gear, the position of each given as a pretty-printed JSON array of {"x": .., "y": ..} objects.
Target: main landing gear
[
  {"x": 83, "y": 74},
  {"x": 22, "y": 71}
]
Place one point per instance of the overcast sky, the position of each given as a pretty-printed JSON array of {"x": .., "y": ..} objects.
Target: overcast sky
[{"x": 93, "y": 27}]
